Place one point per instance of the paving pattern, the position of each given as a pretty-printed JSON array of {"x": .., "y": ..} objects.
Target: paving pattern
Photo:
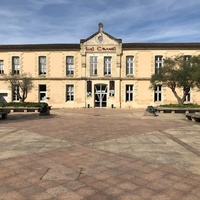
[{"x": 99, "y": 154}]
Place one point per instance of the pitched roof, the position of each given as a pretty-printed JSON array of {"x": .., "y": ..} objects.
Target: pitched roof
[
  {"x": 162, "y": 46},
  {"x": 40, "y": 47}
]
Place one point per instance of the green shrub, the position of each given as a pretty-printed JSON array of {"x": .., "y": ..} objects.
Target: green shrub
[
  {"x": 21, "y": 104},
  {"x": 181, "y": 106}
]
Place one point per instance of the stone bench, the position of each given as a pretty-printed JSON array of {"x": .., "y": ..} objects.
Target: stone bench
[
  {"x": 193, "y": 116},
  {"x": 3, "y": 115}
]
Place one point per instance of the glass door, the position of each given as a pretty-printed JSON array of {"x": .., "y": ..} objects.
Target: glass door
[{"x": 100, "y": 96}]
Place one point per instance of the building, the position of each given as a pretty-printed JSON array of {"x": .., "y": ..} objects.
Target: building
[{"x": 99, "y": 72}]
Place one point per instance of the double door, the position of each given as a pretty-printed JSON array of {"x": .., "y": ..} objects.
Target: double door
[{"x": 100, "y": 91}]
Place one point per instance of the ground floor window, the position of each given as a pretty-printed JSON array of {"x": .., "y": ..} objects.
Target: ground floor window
[
  {"x": 112, "y": 88},
  {"x": 188, "y": 97},
  {"x": 42, "y": 93},
  {"x": 15, "y": 93},
  {"x": 3, "y": 97},
  {"x": 89, "y": 88},
  {"x": 158, "y": 93},
  {"x": 69, "y": 92},
  {"x": 129, "y": 92}
]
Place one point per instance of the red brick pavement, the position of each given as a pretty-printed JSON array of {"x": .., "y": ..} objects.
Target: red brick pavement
[{"x": 80, "y": 172}]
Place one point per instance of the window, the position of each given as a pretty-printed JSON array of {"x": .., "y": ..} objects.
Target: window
[
  {"x": 186, "y": 58},
  {"x": 158, "y": 93},
  {"x": 188, "y": 97},
  {"x": 42, "y": 65},
  {"x": 107, "y": 65},
  {"x": 15, "y": 93},
  {"x": 70, "y": 65},
  {"x": 69, "y": 93},
  {"x": 1, "y": 67},
  {"x": 89, "y": 88},
  {"x": 129, "y": 92},
  {"x": 42, "y": 93},
  {"x": 15, "y": 65},
  {"x": 112, "y": 88},
  {"x": 3, "y": 97},
  {"x": 129, "y": 65},
  {"x": 158, "y": 63},
  {"x": 93, "y": 65}
]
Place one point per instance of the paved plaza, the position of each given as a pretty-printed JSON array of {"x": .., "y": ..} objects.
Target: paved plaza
[{"x": 99, "y": 154}]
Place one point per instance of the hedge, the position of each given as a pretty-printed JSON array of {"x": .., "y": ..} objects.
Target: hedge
[{"x": 181, "y": 105}]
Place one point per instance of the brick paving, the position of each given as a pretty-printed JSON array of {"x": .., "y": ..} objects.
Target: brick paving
[{"x": 99, "y": 154}]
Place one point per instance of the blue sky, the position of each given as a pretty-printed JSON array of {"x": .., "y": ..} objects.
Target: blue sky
[{"x": 68, "y": 21}]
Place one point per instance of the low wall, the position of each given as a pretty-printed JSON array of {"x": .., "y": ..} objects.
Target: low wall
[{"x": 176, "y": 110}]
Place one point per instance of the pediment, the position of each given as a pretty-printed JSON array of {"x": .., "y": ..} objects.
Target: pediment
[
  {"x": 100, "y": 41},
  {"x": 101, "y": 38}
]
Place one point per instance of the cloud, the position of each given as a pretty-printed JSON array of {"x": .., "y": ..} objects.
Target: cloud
[{"x": 68, "y": 21}]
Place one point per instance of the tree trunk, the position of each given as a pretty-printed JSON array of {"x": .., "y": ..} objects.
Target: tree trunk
[{"x": 179, "y": 99}]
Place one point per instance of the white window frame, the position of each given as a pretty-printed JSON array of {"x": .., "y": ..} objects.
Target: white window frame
[
  {"x": 69, "y": 92},
  {"x": 1, "y": 66},
  {"x": 186, "y": 58},
  {"x": 93, "y": 65},
  {"x": 107, "y": 65},
  {"x": 129, "y": 93},
  {"x": 42, "y": 65},
  {"x": 188, "y": 97},
  {"x": 70, "y": 65},
  {"x": 158, "y": 93},
  {"x": 15, "y": 92},
  {"x": 42, "y": 94},
  {"x": 129, "y": 65},
  {"x": 158, "y": 63},
  {"x": 15, "y": 65}
]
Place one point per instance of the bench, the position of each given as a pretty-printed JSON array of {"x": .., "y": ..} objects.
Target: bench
[
  {"x": 3, "y": 115},
  {"x": 193, "y": 116}
]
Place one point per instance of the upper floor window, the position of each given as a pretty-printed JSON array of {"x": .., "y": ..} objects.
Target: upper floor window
[
  {"x": 1, "y": 67},
  {"x": 93, "y": 65},
  {"x": 42, "y": 65},
  {"x": 15, "y": 65},
  {"x": 69, "y": 92},
  {"x": 107, "y": 65},
  {"x": 129, "y": 92},
  {"x": 129, "y": 65},
  {"x": 158, "y": 93},
  {"x": 158, "y": 63},
  {"x": 70, "y": 65}
]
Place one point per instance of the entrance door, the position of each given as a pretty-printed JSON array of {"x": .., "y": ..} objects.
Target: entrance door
[{"x": 100, "y": 96}]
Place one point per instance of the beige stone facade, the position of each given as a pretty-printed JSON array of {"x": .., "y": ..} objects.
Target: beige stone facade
[{"x": 99, "y": 72}]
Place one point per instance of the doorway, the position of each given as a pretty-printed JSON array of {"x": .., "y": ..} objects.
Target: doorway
[{"x": 100, "y": 91}]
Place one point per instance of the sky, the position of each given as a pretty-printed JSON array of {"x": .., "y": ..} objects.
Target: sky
[{"x": 68, "y": 21}]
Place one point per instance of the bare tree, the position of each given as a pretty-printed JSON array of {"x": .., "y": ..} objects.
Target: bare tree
[{"x": 23, "y": 82}]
